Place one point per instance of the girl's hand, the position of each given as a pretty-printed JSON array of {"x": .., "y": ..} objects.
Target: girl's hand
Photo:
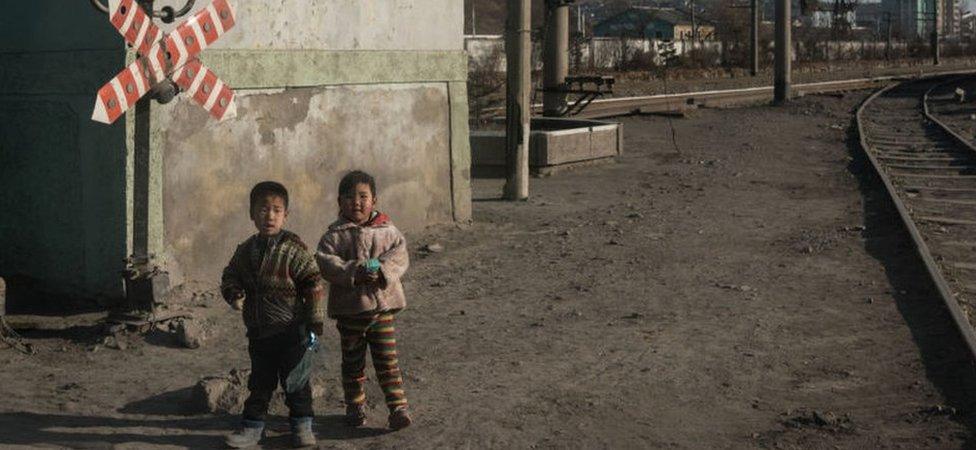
[{"x": 364, "y": 276}]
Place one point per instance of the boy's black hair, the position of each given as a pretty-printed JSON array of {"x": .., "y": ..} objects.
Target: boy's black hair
[
  {"x": 266, "y": 188},
  {"x": 349, "y": 182}
]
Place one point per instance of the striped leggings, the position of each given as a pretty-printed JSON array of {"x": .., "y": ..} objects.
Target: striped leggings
[{"x": 377, "y": 332}]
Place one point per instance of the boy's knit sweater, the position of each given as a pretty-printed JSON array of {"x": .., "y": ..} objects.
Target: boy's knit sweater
[{"x": 281, "y": 283}]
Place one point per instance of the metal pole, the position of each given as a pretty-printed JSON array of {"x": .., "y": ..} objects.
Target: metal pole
[
  {"x": 754, "y": 38},
  {"x": 555, "y": 66},
  {"x": 888, "y": 38},
  {"x": 518, "y": 109},
  {"x": 936, "y": 23},
  {"x": 781, "y": 85}
]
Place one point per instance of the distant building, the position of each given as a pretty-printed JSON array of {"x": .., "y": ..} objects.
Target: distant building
[
  {"x": 871, "y": 16},
  {"x": 950, "y": 17},
  {"x": 910, "y": 19},
  {"x": 654, "y": 23},
  {"x": 828, "y": 13},
  {"x": 967, "y": 26}
]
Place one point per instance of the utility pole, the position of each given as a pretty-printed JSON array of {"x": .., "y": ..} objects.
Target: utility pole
[
  {"x": 887, "y": 15},
  {"x": 781, "y": 84},
  {"x": 936, "y": 23},
  {"x": 555, "y": 65},
  {"x": 754, "y": 38},
  {"x": 518, "y": 52}
]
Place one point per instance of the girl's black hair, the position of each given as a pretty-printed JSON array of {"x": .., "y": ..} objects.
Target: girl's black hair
[{"x": 349, "y": 182}]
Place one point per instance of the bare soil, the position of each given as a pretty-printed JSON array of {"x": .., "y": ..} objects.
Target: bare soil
[{"x": 751, "y": 288}]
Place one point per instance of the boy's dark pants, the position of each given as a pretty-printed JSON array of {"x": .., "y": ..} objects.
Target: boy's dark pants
[{"x": 272, "y": 359}]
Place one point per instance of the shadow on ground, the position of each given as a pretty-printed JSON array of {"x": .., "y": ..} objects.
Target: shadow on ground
[
  {"x": 947, "y": 361},
  {"x": 95, "y": 432}
]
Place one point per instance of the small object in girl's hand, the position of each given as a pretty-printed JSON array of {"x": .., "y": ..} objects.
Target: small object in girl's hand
[{"x": 373, "y": 265}]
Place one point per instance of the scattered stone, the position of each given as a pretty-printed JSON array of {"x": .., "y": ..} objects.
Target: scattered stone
[
  {"x": 633, "y": 316},
  {"x": 433, "y": 248},
  {"x": 818, "y": 419},
  {"x": 635, "y": 215},
  {"x": 115, "y": 342},
  {"x": 614, "y": 242},
  {"x": 189, "y": 334},
  {"x": 939, "y": 410},
  {"x": 416, "y": 378},
  {"x": 221, "y": 394},
  {"x": 734, "y": 287},
  {"x": 438, "y": 284}
]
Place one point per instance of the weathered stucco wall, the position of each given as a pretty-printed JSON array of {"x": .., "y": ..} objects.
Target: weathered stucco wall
[
  {"x": 306, "y": 138},
  {"x": 346, "y": 24},
  {"x": 62, "y": 177}
]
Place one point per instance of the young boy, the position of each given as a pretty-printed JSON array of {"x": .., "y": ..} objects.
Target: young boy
[
  {"x": 362, "y": 255},
  {"x": 274, "y": 280}
]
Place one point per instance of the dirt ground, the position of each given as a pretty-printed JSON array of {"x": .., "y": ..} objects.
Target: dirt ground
[{"x": 751, "y": 288}]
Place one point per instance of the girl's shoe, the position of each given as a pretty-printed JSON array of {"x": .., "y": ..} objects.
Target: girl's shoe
[
  {"x": 400, "y": 418},
  {"x": 355, "y": 415}
]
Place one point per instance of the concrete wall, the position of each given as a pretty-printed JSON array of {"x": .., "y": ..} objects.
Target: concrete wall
[
  {"x": 62, "y": 177},
  {"x": 305, "y": 138},
  {"x": 323, "y": 88}
]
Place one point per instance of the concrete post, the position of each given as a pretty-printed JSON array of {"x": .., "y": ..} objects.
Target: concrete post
[
  {"x": 781, "y": 85},
  {"x": 555, "y": 66},
  {"x": 518, "y": 51},
  {"x": 754, "y": 38}
]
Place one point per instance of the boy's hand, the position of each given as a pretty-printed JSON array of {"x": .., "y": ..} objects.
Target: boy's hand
[
  {"x": 364, "y": 276},
  {"x": 317, "y": 328}
]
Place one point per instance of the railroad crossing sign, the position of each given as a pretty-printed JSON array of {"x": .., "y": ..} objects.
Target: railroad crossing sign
[{"x": 165, "y": 58}]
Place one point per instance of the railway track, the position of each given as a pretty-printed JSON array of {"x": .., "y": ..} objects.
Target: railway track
[
  {"x": 929, "y": 171},
  {"x": 665, "y": 103}
]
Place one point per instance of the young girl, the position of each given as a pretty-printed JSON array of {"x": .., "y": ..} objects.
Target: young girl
[{"x": 363, "y": 255}]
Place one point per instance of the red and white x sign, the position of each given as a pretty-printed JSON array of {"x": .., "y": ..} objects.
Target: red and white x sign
[{"x": 173, "y": 55}]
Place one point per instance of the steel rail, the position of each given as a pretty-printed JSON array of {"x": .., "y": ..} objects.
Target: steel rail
[{"x": 959, "y": 317}]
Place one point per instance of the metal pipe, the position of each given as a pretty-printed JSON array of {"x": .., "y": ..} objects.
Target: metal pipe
[
  {"x": 99, "y": 6},
  {"x": 555, "y": 66},
  {"x": 754, "y": 38},
  {"x": 518, "y": 53},
  {"x": 781, "y": 85}
]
